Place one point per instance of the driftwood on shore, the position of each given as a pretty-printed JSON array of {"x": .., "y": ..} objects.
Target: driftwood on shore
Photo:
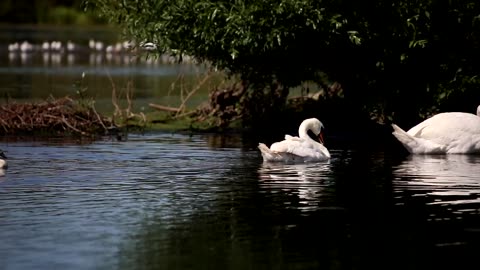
[{"x": 53, "y": 116}]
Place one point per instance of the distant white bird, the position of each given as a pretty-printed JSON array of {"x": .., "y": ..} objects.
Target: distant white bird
[
  {"x": 149, "y": 46},
  {"x": 298, "y": 149},
  {"x": 45, "y": 46},
  {"x": 91, "y": 44},
  {"x": 26, "y": 46},
  {"x": 128, "y": 45},
  {"x": 118, "y": 47},
  {"x": 56, "y": 46},
  {"x": 71, "y": 46},
  {"x": 444, "y": 133},
  {"x": 99, "y": 46},
  {"x": 109, "y": 49},
  {"x": 13, "y": 47}
]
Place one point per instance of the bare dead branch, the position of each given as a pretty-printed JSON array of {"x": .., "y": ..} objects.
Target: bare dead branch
[{"x": 164, "y": 108}]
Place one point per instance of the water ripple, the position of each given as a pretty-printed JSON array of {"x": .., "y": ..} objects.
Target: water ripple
[
  {"x": 441, "y": 180},
  {"x": 306, "y": 182},
  {"x": 56, "y": 194},
  {"x": 163, "y": 200}
]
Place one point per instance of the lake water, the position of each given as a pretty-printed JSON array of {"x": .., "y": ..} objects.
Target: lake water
[{"x": 171, "y": 201}]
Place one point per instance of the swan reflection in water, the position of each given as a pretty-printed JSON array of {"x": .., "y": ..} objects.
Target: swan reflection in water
[
  {"x": 449, "y": 179},
  {"x": 306, "y": 182}
]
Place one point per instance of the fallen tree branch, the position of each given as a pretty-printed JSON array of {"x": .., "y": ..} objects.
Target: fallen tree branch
[{"x": 164, "y": 108}]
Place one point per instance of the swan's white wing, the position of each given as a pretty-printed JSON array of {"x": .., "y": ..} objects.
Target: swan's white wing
[
  {"x": 447, "y": 125},
  {"x": 454, "y": 132},
  {"x": 292, "y": 138},
  {"x": 301, "y": 148},
  {"x": 274, "y": 156}
]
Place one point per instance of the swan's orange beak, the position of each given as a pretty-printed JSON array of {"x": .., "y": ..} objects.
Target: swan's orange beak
[{"x": 320, "y": 138}]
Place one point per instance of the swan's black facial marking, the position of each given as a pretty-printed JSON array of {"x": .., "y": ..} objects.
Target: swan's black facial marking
[
  {"x": 2, "y": 155},
  {"x": 312, "y": 135}
]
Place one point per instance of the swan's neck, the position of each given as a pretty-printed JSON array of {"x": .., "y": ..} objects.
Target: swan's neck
[{"x": 303, "y": 132}]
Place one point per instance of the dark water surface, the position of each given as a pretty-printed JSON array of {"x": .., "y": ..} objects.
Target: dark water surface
[{"x": 163, "y": 201}]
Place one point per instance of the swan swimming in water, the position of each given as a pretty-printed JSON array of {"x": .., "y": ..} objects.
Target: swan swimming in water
[
  {"x": 3, "y": 160},
  {"x": 298, "y": 149},
  {"x": 444, "y": 133}
]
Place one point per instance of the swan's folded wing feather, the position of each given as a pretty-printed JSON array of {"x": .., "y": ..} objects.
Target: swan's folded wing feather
[
  {"x": 447, "y": 126},
  {"x": 282, "y": 146},
  {"x": 295, "y": 146},
  {"x": 303, "y": 149},
  {"x": 292, "y": 138},
  {"x": 454, "y": 132}
]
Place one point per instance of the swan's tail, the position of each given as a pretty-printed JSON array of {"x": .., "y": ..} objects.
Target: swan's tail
[
  {"x": 406, "y": 139},
  {"x": 263, "y": 148},
  {"x": 401, "y": 135},
  {"x": 416, "y": 145},
  {"x": 267, "y": 154}
]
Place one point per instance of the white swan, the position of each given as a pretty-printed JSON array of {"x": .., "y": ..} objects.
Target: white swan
[
  {"x": 3, "y": 160},
  {"x": 444, "y": 133},
  {"x": 298, "y": 149}
]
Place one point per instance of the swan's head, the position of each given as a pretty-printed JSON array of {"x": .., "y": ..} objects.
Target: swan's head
[
  {"x": 315, "y": 126},
  {"x": 2, "y": 155}
]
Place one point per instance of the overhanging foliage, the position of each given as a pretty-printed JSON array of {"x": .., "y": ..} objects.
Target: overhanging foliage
[{"x": 388, "y": 56}]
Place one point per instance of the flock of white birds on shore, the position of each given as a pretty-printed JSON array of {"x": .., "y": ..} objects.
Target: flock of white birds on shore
[
  {"x": 99, "y": 51},
  {"x": 69, "y": 46}
]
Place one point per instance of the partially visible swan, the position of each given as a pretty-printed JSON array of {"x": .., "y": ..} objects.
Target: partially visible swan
[
  {"x": 3, "y": 160},
  {"x": 444, "y": 133},
  {"x": 298, "y": 149}
]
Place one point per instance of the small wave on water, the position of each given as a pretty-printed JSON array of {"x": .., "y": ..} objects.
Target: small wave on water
[
  {"x": 83, "y": 201},
  {"x": 308, "y": 183},
  {"x": 447, "y": 179}
]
